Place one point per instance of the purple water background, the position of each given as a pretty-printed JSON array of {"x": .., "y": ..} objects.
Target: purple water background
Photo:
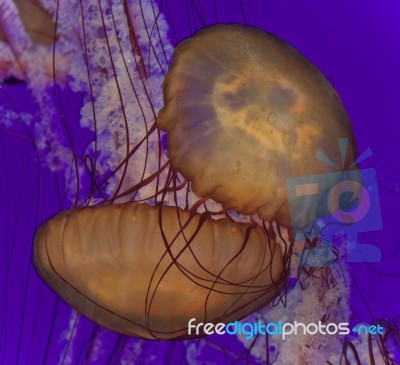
[{"x": 356, "y": 44}]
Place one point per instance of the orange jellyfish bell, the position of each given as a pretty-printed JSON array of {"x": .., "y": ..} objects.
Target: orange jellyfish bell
[
  {"x": 118, "y": 267},
  {"x": 244, "y": 111}
]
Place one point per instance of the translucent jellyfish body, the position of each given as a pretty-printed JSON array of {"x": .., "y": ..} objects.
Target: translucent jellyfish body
[
  {"x": 146, "y": 271},
  {"x": 37, "y": 21},
  {"x": 244, "y": 111}
]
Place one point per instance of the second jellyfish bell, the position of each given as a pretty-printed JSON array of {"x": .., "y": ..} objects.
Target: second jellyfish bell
[{"x": 244, "y": 112}]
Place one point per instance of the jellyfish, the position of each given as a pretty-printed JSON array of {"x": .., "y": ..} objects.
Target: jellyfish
[
  {"x": 201, "y": 114},
  {"x": 179, "y": 220},
  {"x": 118, "y": 266},
  {"x": 244, "y": 112}
]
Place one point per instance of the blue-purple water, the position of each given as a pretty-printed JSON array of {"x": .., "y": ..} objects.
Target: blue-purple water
[{"x": 357, "y": 47}]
